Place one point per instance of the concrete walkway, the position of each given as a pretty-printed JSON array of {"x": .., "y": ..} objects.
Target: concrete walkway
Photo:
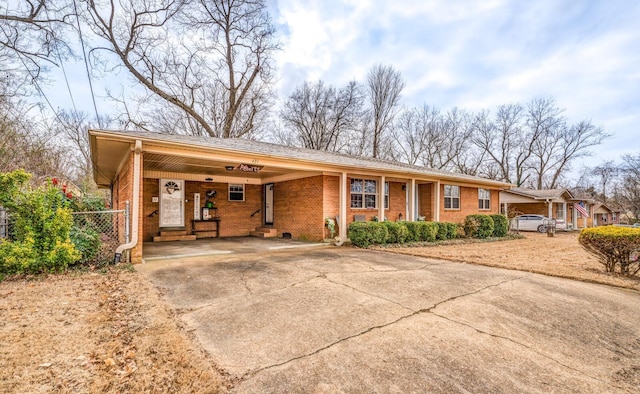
[{"x": 346, "y": 320}]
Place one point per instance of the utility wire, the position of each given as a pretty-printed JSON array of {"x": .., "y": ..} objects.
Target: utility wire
[
  {"x": 64, "y": 72},
  {"x": 86, "y": 64}
]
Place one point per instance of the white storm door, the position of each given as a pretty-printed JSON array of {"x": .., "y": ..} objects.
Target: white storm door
[
  {"x": 268, "y": 204},
  {"x": 171, "y": 203}
]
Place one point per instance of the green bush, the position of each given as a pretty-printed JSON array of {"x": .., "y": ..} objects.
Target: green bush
[
  {"x": 41, "y": 227},
  {"x": 500, "y": 225},
  {"x": 617, "y": 248},
  {"x": 87, "y": 241},
  {"x": 478, "y": 226},
  {"x": 428, "y": 231},
  {"x": 413, "y": 231},
  {"x": 442, "y": 231},
  {"x": 452, "y": 230},
  {"x": 397, "y": 232},
  {"x": 363, "y": 234}
]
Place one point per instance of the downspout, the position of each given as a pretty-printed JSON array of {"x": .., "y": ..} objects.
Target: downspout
[{"x": 136, "y": 204}]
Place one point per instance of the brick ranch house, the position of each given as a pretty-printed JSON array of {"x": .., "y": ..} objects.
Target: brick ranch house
[
  {"x": 184, "y": 187},
  {"x": 557, "y": 204}
]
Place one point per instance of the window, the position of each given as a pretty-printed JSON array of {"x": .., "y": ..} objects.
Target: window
[
  {"x": 236, "y": 192},
  {"x": 613, "y": 216},
  {"x": 364, "y": 193},
  {"x": 451, "y": 197},
  {"x": 484, "y": 199},
  {"x": 386, "y": 195},
  {"x": 560, "y": 211}
]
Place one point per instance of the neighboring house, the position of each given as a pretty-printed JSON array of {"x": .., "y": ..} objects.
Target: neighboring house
[
  {"x": 604, "y": 215},
  {"x": 552, "y": 203},
  {"x": 268, "y": 188},
  {"x": 569, "y": 210}
]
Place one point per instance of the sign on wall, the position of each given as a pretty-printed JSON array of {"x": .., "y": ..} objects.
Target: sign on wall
[{"x": 196, "y": 206}]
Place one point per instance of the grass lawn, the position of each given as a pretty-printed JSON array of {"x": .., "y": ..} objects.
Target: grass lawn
[
  {"x": 560, "y": 256},
  {"x": 90, "y": 332}
]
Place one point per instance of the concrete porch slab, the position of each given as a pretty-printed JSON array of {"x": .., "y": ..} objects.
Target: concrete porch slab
[{"x": 153, "y": 251}]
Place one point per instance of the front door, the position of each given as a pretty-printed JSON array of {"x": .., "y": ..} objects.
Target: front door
[
  {"x": 268, "y": 203},
  {"x": 171, "y": 203}
]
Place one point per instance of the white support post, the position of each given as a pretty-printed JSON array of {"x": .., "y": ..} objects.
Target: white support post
[
  {"x": 412, "y": 201},
  {"x": 381, "y": 200},
  {"x": 342, "y": 226},
  {"x": 550, "y": 215},
  {"x": 436, "y": 195}
]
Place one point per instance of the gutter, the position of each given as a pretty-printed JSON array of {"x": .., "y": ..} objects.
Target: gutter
[{"x": 136, "y": 204}]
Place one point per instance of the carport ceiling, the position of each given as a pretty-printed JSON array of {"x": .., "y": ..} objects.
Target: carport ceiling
[{"x": 190, "y": 165}]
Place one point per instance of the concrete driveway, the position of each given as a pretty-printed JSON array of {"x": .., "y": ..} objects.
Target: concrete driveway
[{"x": 329, "y": 320}]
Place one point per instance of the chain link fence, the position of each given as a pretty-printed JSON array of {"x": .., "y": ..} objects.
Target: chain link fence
[{"x": 97, "y": 234}]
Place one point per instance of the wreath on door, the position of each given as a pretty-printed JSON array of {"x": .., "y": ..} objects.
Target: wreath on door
[{"x": 171, "y": 187}]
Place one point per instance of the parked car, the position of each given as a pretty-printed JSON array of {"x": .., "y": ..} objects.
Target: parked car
[{"x": 537, "y": 223}]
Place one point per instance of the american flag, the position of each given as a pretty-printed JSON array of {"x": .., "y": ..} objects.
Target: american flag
[{"x": 580, "y": 208}]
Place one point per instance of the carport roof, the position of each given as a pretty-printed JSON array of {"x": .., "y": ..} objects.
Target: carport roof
[
  {"x": 115, "y": 144},
  {"x": 544, "y": 194}
]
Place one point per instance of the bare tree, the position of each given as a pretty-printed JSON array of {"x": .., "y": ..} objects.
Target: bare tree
[
  {"x": 322, "y": 117},
  {"x": 505, "y": 142},
  {"x": 628, "y": 193},
  {"x": 428, "y": 138},
  {"x": 559, "y": 145},
  {"x": 384, "y": 85},
  {"x": 72, "y": 129},
  {"x": 29, "y": 144},
  {"x": 31, "y": 35},
  {"x": 210, "y": 59}
]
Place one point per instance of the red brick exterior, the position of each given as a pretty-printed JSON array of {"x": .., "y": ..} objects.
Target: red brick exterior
[
  {"x": 331, "y": 202},
  {"x": 301, "y": 206},
  {"x": 299, "y": 209},
  {"x": 123, "y": 192},
  {"x": 425, "y": 201},
  {"x": 468, "y": 204},
  {"x": 235, "y": 216}
]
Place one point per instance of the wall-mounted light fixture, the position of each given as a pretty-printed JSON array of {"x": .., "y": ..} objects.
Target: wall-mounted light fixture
[
  {"x": 229, "y": 168},
  {"x": 404, "y": 187}
]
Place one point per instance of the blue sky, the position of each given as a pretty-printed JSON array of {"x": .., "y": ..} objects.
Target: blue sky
[
  {"x": 478, "y": 54},
  {"x": 462, "y": 53}
]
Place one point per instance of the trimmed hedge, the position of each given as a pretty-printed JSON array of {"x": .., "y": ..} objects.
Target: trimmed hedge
[
  {"x": 614, "y": 247},
  {"x": 363, "y": 234},
  {"x": 428, "y": 231},
  {"x": 413, "y": 233},
  {"x": 478, "y": 226},
  {"x": 500, "y": 225},
  {"x": 397, "y": 232}
]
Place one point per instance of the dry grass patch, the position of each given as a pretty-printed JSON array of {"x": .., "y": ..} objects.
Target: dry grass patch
[
  {"x": 560, "y": 256},
  {"x": 96, "y": 333}
]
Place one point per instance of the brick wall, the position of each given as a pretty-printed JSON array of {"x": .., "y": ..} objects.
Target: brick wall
[
  {"x": 123, "y": 192},
  {"x": 468, "y": 205},
  {"x": 397, "y": 202},
  {"x": 299, "y": 208},
  {"x": 425, "y": 201},
  {"x": 235, "y": 216},
  {"x": 331, "y": 201},
  {"x": 538, "y": 208}
]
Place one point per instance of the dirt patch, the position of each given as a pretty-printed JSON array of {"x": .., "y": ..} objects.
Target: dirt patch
[
  {"x": 97, "y": 333},
  {"x": 560, "y": 256}
]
